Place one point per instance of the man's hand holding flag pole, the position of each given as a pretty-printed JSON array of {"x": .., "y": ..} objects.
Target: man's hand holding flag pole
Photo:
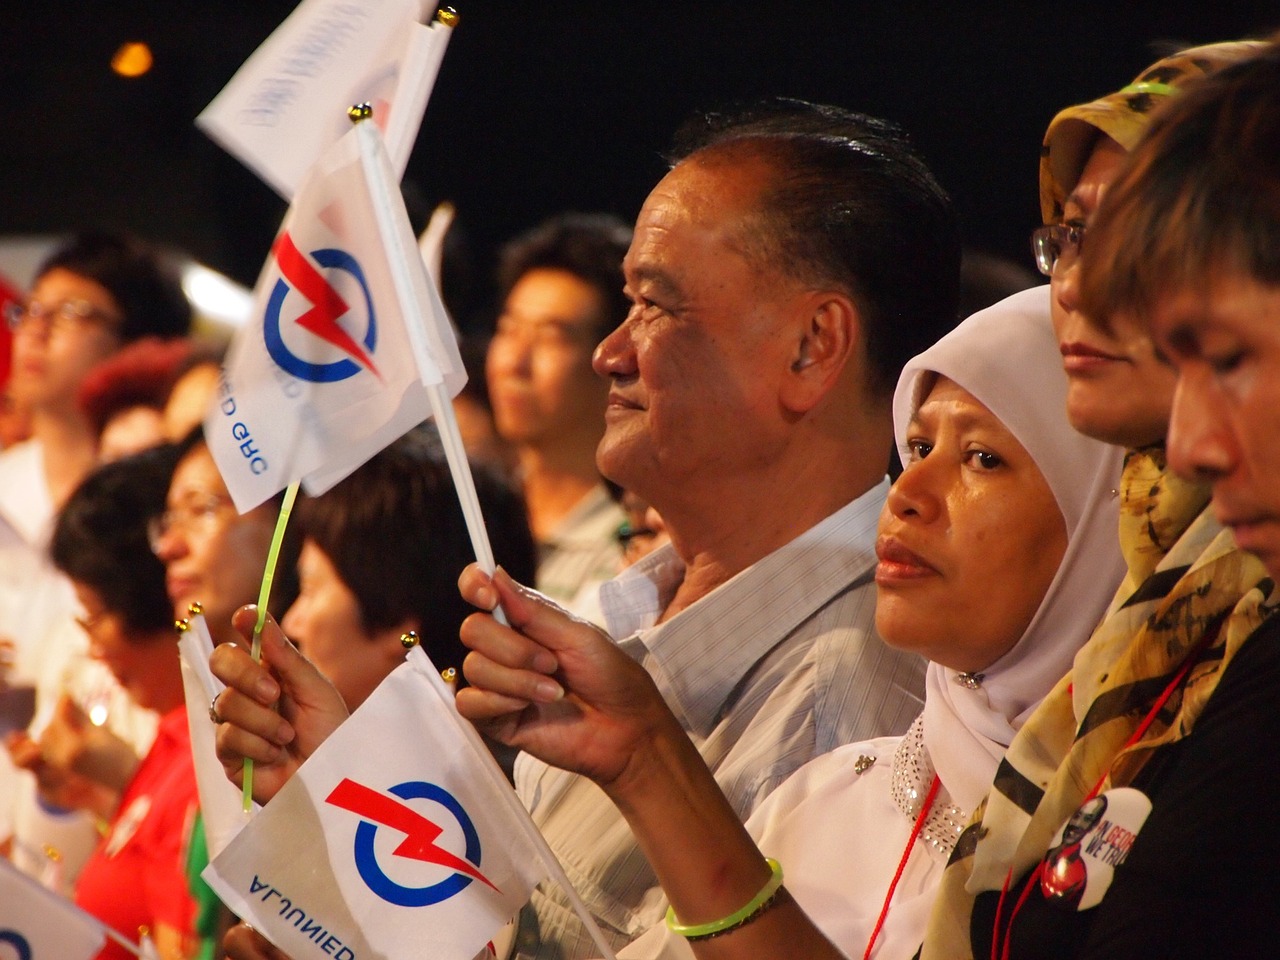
[{"x": 254, "y": 874}]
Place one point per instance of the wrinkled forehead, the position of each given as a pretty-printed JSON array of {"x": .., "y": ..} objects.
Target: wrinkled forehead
[
  {"x": 707, "y": 192},
  {"x": 693, "y": 224}
]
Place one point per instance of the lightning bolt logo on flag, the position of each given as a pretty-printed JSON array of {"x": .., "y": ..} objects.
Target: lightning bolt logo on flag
[
  {"x": 420, "y": 836},
  {"x": 300, "y": 276},
  {"x": 331, "y": 369},
  {"x": 432, "y": 865}
]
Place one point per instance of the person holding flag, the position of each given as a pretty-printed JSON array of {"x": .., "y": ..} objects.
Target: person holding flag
[
  {"x": 136, "y": 878},
  {"x": 212, "y": 555},
  {"x": 749, "y": 403}
]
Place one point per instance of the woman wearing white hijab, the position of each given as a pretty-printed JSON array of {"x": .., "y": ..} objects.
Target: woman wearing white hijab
[{"x": 841, "y": 823}]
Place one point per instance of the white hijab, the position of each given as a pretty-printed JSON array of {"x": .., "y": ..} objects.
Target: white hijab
[{"x": 1007, "y": 357}]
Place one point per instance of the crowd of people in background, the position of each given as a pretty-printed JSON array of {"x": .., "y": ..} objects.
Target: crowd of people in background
[{"x": 844, "y": 591}]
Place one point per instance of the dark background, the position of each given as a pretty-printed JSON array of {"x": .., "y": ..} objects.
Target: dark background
[{"x": 547, "y": 106}]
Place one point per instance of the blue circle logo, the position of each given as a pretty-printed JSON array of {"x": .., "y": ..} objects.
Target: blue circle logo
[
  {"x": 420, "y": 834},
  {"x": 19, "y": 943},
  {"x": 298, "y": 276}
]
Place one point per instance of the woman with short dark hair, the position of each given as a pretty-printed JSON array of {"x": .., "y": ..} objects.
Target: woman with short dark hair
[
  {"x": 136, "y": 878},
  {"x": 381, "y": 554}
]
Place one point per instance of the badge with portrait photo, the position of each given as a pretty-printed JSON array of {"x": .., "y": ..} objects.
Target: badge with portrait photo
[{"x": 1080, "y": 864}]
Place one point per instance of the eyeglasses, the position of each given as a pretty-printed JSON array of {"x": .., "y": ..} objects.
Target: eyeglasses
[
  {"x": 1058, "y": 241},
  {"x": 59, "y": 318},
  {"x": 200, "y": 516}
]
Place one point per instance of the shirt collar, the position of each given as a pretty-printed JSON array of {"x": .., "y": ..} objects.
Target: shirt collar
[{"x": 699, "y": 657}]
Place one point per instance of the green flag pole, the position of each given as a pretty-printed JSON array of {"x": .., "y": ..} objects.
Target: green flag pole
[{"x": 264, "y": 595}]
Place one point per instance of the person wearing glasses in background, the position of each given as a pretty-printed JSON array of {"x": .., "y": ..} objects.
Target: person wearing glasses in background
[
  {"x": 137, "y": 877},
  {"x": 92, "y": 296},
  {"x": 213, "y": 555},
  {"x": 1187, "y": 592}
]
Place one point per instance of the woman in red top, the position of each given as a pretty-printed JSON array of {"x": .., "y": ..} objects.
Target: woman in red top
[{"x": 136, "y": 877}]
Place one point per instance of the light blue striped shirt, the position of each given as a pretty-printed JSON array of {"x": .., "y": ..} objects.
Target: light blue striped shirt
[{"x": 774, "y": 667}]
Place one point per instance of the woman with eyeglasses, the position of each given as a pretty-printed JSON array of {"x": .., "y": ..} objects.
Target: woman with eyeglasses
[
  {"x": 92, "y": 295},
  {"x": 1105, "y": 737},
  {"x": 137, "y": 878},
  {"x": 212, "y": 554}
]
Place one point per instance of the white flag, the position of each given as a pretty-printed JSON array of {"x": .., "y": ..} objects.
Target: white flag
[
  {"x": 398, "y": 838},
  {"x": 37, "y": 924},
  {"x": 221, "y": 803},
  {"x": 286, "y": 104},
  {"x": 332, "y": 367}
]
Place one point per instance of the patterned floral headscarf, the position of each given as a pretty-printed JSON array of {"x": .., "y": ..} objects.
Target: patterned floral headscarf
[
  {"x": 1192, "y": 581},
  {"x": 1122, "y": 116}
]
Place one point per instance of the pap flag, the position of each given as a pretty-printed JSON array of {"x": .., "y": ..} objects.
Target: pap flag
[
  {"x": 284, "y": 106},
  {"x": 346, "y": 341},
  {"x": 419, "y": 848},
  {"x": 37, "y": 924},
  {"x": 220, "y": 802}
]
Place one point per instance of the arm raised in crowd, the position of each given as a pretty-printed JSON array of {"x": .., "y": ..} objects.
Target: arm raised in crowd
[{"x": 561, "y": 690}]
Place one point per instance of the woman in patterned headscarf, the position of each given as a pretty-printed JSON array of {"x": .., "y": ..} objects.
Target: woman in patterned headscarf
[{"x": 1078, "y": 783}]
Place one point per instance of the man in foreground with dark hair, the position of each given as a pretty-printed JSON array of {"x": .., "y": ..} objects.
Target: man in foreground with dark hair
[{"x": 779, "y": 277}]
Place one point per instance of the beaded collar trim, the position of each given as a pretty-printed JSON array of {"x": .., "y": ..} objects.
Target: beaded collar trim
[{"x": 909, "y": 785}]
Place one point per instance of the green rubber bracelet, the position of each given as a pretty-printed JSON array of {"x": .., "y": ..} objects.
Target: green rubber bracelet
[
  {"x": 754, "y": 907},
  {"x": 1164, "y": 89}
]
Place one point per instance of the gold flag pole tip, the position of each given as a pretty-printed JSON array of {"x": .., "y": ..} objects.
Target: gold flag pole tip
[
  {"x": 409, "y": 640},
  {"x": 182, "y": 626},
  {"x": 195, "y": 609},
  {"x": 447, "y": 16},
  {"x": 359, "y": 111}
]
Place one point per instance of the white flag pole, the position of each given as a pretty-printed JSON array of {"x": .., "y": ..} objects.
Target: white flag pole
[
  {"x": 418, "y": 71},
  {"x": 502, "y": 788},
  {"x": 401, "y": 261},
  {"x": 125, "y": 942}
]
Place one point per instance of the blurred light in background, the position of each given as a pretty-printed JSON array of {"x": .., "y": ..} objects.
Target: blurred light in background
[
  {"x": 215, "y": 296},
  {"x": 132, "y": 59}
]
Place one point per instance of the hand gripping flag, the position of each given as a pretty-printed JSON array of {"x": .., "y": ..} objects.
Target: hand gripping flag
[
  {"x": 417, "y": 848},
  {"x": 283, "y": 108},
  {"x": 347, "y": 339},
  {"x": 37, "y": 924}
]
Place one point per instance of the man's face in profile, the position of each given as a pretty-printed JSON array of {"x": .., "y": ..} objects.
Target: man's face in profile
[{"x": 695, "y": 367}]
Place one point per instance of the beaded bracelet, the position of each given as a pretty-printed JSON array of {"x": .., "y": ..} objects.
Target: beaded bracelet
[{"x": 754, "y": 907}]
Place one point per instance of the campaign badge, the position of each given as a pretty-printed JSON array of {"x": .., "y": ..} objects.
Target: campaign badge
[{"x": 1081, "y": 863}]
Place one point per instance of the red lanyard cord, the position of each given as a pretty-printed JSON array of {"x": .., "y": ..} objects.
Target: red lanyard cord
[{"x": 902, "y": 863}]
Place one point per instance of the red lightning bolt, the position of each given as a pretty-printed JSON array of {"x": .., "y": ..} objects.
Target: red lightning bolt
[
  {"x": 328, "y": 306},
  {"x": 420, "y": 833}
]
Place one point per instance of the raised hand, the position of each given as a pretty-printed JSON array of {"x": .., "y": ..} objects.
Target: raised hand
[
  {"x": 552, "y": 685},
  {"x": 276, "y": 712}
]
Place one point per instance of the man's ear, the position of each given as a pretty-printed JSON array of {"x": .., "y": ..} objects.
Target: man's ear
[{"x": 827, "y": 342}]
